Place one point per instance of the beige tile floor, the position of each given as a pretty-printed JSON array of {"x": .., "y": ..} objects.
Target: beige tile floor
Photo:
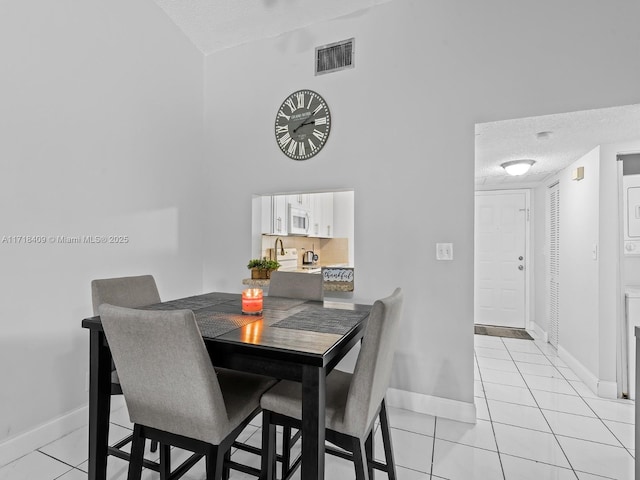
[{"x": 536, "y": 421}]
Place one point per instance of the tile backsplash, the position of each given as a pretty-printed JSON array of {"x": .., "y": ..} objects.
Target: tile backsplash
[{"x": 330, "y": 251}]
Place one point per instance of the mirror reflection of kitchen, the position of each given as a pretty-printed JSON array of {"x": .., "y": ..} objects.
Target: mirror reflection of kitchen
[{"x": 304, "y": 231}]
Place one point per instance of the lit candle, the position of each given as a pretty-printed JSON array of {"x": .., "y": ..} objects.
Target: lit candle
[{"x": 252, "y": 301}]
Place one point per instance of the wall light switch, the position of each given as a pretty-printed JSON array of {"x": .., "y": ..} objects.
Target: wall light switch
[{"x": 444, "y": 251}]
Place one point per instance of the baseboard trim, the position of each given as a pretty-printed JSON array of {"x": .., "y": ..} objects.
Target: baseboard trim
[
  {"x": 431, "y": 405},
  {"x": 539, "y": 331},
  {"x": 20, "y": 445},
  {"x": 599, "y": 387}
]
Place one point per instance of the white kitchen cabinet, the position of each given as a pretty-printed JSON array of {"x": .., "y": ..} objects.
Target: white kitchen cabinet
[
  {"x": 274, "y": 215},
  {"x": 322, "y": 215},
  {"x": 326, "y": 227},
  {"x": 300, "y": 200}
]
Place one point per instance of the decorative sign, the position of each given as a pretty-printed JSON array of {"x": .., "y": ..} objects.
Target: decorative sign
[{"x": 339, "y": 278}]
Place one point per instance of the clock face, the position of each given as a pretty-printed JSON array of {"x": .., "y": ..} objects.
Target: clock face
[{"x": 302, "y": 124}]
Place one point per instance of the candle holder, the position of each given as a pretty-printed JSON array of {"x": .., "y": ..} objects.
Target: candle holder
[{"x": 252, "y": 301}]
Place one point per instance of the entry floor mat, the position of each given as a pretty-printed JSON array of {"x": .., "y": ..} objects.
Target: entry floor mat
[{"x": 508, "y": 332}]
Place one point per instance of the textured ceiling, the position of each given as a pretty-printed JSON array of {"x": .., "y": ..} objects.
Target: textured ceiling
[
  {"x": 571, "y": 135},
  {"x": 214, "y": 25}
]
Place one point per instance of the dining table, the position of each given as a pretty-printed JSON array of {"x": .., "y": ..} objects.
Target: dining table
[{"x": 292, "y": 339}]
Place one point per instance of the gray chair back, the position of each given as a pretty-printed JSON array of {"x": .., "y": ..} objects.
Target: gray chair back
[
  {"x": 372, "y": 372},
  {"x": 166, "y": 374},
  {"x": 306, "y": 286},
  {"x": 124, "y": 292}
]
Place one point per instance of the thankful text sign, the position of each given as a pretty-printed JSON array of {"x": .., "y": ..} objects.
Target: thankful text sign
[{"x": 338, "y": 276}]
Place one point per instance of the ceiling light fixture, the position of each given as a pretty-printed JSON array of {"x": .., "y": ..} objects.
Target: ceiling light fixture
[
  {"x": 546, "y": 135},
  {"x": 517, "y": 167}
]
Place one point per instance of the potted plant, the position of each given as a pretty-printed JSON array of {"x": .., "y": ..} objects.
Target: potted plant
[{"x": 261, "y": 268}]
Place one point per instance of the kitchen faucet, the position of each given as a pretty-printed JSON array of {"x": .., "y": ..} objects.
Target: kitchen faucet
[{"x": 275, "y": 249}]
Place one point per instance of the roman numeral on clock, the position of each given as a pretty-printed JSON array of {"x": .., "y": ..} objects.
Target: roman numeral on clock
[
  {"x": 292, "y": 147},
  {"x": 286, "y": 138},
  {"x": 318, "y": 134},
  {"x": 289, "y": 103}
]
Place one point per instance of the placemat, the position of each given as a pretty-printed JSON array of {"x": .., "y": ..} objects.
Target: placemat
[
  {"x": 191, "y": 303},
  {"x": 269, "y": 303},
  {"x": 323, "y": 320},
  {"x": 280, "y": 303},
  {"x": 214, "y": 324}
]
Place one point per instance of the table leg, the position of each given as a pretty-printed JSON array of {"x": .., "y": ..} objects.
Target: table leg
[
  {"x": 313, "y": 422},
  {"x": 99, "y": 404}
]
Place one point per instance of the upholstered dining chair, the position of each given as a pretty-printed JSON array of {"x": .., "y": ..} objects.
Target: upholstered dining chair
[
  {"x": 134, "y": 291},
  {"x": 307, "y": 286},
  {"x": 353, "y": 401},
  {"x": 172, "y": 391},
  {"x": 304, "y": 286}
]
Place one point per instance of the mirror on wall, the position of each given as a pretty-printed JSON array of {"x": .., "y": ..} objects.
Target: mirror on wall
[{"x": 316, "y": 228}]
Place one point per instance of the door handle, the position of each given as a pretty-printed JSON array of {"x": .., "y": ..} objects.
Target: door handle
[
  {"x": 520, "y": 267},
  {"x": 520, "y": 258}
]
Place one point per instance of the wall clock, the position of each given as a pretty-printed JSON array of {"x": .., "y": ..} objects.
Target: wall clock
[{"x": 302, "y": 124}]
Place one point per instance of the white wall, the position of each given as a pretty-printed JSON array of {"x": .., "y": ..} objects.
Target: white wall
[
  {"x": 579, "y": 274},
  {"x": 403, "y": 139},
  {"x": 100, "y": 133}
]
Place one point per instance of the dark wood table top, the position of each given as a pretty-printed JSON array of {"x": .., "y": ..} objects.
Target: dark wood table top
[{"x": 304, "y": 332}]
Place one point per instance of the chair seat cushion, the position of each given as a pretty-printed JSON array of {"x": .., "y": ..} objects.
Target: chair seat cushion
[
  {"x": 241, "y": 393},
  {"x": 285, "y": 398}
]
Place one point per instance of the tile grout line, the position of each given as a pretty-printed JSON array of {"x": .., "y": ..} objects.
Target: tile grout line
[
  {"x": 587, "y": 403},
  {"x": 71, "y": 467},
  {"x": 540, "y": 409},
  {"x": 433, "y": 446},
  {"x": 486, "y": 402}
]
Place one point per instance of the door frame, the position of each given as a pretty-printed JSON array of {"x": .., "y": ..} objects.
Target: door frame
[{"x": 528, "y": 263}]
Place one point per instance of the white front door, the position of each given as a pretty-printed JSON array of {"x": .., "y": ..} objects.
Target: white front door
[{"x": 500, "y": 249}]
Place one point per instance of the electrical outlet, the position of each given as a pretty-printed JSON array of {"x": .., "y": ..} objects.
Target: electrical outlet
[{"x": 444, "y": 251}]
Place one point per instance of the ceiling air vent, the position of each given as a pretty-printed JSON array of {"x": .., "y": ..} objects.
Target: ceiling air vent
[{"x": 335, "y": 56}]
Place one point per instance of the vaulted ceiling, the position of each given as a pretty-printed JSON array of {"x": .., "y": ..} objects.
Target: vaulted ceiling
[{"x": 214, "y": 25}]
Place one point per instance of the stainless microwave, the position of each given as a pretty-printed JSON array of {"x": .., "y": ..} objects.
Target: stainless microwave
[{"x": 299, "y": 221}]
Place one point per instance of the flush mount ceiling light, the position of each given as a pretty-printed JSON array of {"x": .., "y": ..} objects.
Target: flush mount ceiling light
[
  {"x": 517, "y": 167},
  {"x": 545, "y": 135}
]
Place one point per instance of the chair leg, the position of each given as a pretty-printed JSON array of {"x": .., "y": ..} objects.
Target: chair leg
[
  {"x": 165, "y": 461},
  {"x": 214, "y": 463},
  {"x": 137, "y": 454},
  {"x": 268, "y": 462},
  {"x": 286, "y": 449},
  {"x": 368, "y": 446},
  {"x": 226, "y": 470},
  {"x": 360, "y": 459},
  {"x": 154, "y": 445},
  {"x": 386, "y": 441}
]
